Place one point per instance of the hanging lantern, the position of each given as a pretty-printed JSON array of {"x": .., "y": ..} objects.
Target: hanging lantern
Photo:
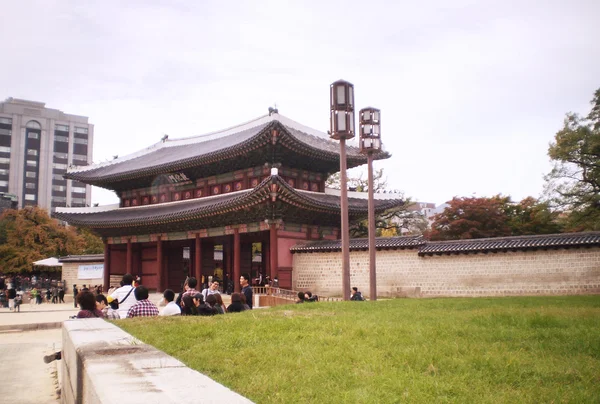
[
  {"x": 370, "y": 130},
  {"x": 342, "y": 110}
]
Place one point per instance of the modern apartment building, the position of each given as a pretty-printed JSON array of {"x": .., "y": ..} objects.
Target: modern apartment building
[{"x": 37, "y": 145}]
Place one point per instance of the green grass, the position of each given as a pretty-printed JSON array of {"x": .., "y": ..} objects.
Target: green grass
[{"x": 483, "y": 350}]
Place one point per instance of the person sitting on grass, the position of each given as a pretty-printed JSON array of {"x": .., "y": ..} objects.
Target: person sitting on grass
[
  {"x": 143, "y": 307},
  {"x": 87, "y": 303},
  {"x": 211, "y": 301},
  {"x": 309, "y": 298},
  {"x": 203, "y": 308},
  {"x": 107, "y": 311},
  {"x": 356, "y": 295},
  {"x": 171, "y": 308},
  {"x": 220, "y": 306},
  {"x": 300, "y": 298},
  {"x": 188, "y": 308},
  {"x": 236, "y": 303}
]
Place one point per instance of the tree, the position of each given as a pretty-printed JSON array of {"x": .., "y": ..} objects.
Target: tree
[
  {"x": 573, "y": 185},
  {"x": 467, "y": 218},
  {"x": 531, "y": 216},
  {"x": 497, "y": 216},
  {"x": 392, "y": 222},
  {"x": 29, "y": 235}
]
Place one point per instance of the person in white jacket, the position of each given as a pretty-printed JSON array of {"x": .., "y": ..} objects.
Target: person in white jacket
[{"x": 124, "y": 295}]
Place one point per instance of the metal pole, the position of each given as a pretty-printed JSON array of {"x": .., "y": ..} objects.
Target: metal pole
[
  {"x": 345, "y": 226},
  {"x": 372, "y": 271}
]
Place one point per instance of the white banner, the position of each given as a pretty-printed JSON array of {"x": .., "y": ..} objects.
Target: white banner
[{"x": 90, "y": 271}]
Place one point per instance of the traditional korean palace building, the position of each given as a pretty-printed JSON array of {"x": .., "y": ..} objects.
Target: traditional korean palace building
[{"x": 262, "y": 182}]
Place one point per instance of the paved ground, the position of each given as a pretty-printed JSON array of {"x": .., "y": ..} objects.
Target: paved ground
[{"x": 26, "y": 378}]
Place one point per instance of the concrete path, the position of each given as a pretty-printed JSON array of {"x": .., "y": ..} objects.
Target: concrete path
[
  {"x": 26, "y": 379},
  {"x": 33, "y": 317}
]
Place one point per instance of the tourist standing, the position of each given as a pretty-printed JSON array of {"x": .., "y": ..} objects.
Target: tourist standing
[
  {"x": 246, "y": 289},
  {"x": 61, "y": 295},
  {"x": 75, "y": 291},
  {"x": 213, "y": 289}
]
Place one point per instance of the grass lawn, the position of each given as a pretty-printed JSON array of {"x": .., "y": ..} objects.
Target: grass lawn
[{"x": 479, "y": 350}]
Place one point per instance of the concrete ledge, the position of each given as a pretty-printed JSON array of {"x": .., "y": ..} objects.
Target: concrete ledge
[
  {"x": 103, "y": 364},
  {"x": 31, "y": 327}
]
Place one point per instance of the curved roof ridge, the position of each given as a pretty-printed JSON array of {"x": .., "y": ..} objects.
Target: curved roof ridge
[
  {"x": 221, "y": 133},
  {"x": 139, "y": 153}
]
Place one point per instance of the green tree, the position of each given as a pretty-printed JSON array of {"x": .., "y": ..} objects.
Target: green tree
[
  {"x": 573, "y": 185},
  {"x": 531, "y": 216},
  {"x": 92, "y": 243},
  {"x": 30, "y": 234}
]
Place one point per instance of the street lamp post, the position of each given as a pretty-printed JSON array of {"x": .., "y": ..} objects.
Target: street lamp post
[
  {"x": 370, "y": 143},
  {"x": 342, "y": 128}
]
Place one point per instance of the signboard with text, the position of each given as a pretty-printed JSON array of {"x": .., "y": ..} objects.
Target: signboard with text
[{"x": 90, "y": 271}]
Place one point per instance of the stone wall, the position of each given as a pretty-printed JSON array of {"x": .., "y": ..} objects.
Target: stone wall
[
  {"x": 405, "y": 273},
  {"x": 70, "y": 272},
  {"x": 103, "y": 364}
]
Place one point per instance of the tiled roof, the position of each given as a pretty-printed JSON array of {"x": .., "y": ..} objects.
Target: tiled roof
[
  {"x": 544, "y": 241},
  {"x": 194, "y": 209},
  {"x": 356, "y": 244},
  {"x": 82, "y": 258},
  {"x": 179, "y": 154}
]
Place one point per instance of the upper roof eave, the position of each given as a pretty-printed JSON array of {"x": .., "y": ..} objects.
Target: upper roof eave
[{"x": 165, "y": 157}]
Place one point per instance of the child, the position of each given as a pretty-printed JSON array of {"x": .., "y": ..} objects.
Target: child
[{"x": 18, "y": 301}]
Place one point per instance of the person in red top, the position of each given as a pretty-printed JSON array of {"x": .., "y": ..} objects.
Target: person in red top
[
  {"x": 87, "y": 303},
  {"x": 143, "y": 307}
]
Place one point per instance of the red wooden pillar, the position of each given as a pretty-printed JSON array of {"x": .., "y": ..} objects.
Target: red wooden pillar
[
  {"x": 273, "y": 250},
  {"x": 236, "y": 260},
  {"x": 198, "y": 259},
  {"x": 106, "y": 266},
  {"x": 159, "y": 267},
  {"x": 129, "y": 256}
]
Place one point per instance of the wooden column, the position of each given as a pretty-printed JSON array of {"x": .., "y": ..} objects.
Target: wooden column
[
  {"x": 236, "y": 260},
  {"x": 159, "y": 267},
  {"x": 106, "y": 266},
  {"x": 198, "y": 259},
  {"x": 273, "y": 250},
  {"x": 129, "y": 257}
]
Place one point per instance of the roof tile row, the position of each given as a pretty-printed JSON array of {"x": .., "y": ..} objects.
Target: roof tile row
[{"x": 565, "y": 240}]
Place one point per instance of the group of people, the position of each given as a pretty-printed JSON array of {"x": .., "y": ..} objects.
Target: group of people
[{"x": 131, "y": 300}]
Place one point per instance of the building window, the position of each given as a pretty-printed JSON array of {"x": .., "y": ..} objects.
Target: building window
[
  {"x": 30, "y": 174},
  {"x": 6, "y": 121},
  {"x": 5, "y": 149},
  {"x": 4, "y": 160},
  {"x": 59, "y": 199},
  {"x": 78, "y": 200},
  {"x": 29, "y": 197},
  {"x": 33, "y": 135},
  {"x": 31, "y": 163},
  {"x": 6, "y": 132},
  {"x": 29, "y": 185},
  {"x": 3, "y": 171},
  {"x": 79, "y": 157},
  {"x": 61, "y": 155},
  {"x": 58, "y": 138},
  {"x": 32, "y": 152},
  {"x": 59, "y": 188},
  {"x": 80, "y": 141},
  {"x": 81, "y": 130},
  {"x": 57, "y": 177},
  {"x": 78, "y": 190},
  {"x": 34, "y": 125},
  {"x": 3, "y": 183},
  {"x": 59, "y": 166},
  {"x": 62, "y": 128}
]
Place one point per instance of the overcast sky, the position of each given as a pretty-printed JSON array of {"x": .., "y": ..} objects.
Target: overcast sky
[{"x": 471, "y": 92}]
